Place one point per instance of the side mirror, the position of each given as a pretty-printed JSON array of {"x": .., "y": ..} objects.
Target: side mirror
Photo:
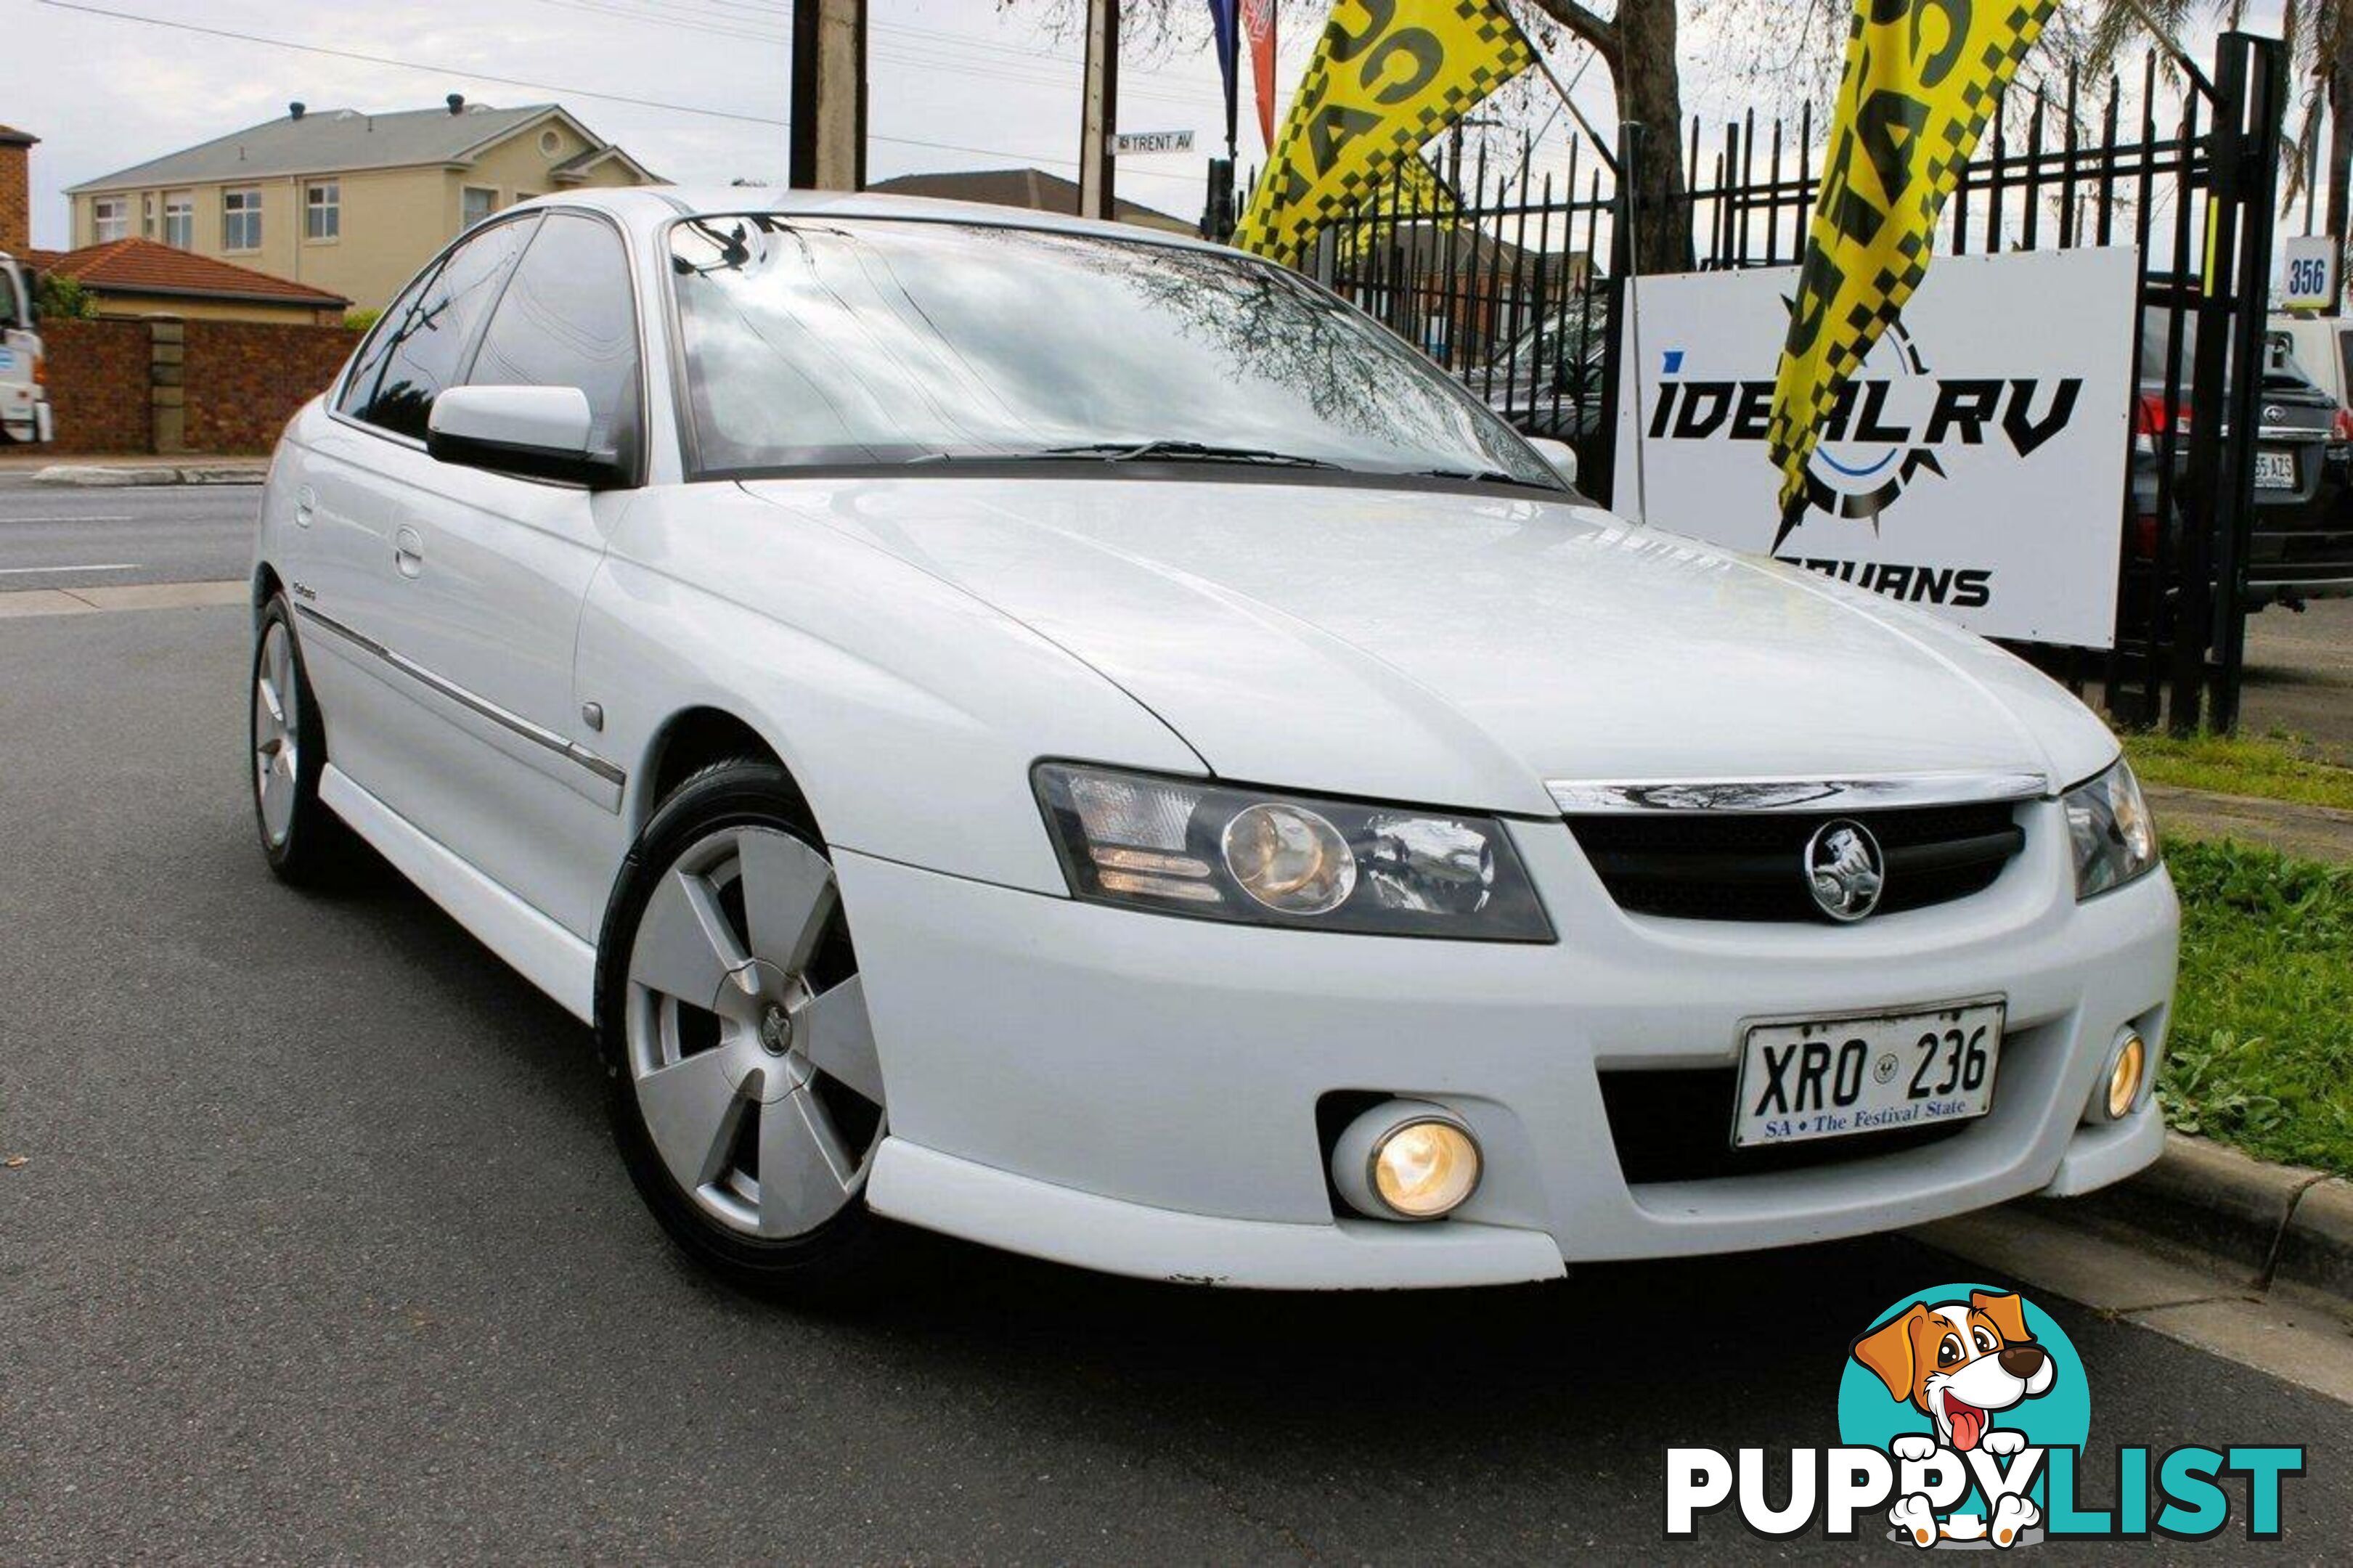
[
  {"x": 1559, "y": 454},
  {"x": 531, "y": 432}
]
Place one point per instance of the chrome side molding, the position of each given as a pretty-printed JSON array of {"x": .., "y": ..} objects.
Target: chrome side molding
[
  {"x": 515, "y": 724},
  {"x": 1583, "y": 796}
]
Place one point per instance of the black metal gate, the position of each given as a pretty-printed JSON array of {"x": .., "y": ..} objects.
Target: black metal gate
[{"x": 1515, "y": 283}]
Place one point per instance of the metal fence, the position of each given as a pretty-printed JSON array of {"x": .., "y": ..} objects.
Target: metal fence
[{"x": 1515, "y": 282}]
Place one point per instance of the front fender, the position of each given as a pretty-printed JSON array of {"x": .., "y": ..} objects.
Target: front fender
[{"x": 908, "y": 711}]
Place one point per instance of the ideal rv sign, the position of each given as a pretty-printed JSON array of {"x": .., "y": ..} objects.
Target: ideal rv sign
[{"x": 1975, "y": 467}]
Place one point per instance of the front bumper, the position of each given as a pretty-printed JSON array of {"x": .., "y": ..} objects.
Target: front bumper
[{"x": 1138, "y": 1093}]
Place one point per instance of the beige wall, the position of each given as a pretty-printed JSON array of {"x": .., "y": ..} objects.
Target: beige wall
[
  {"x": 394, "y": 220},
  {"x": 122, "y": 306}
]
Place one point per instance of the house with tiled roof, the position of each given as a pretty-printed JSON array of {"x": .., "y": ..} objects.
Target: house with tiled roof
[
  {"x": 143, "y": 278},
  {"x": 345, "y": 201}
]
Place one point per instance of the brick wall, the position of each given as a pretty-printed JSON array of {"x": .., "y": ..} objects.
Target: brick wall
[
  {"x": 16, "y": 198},
  {"x": 244, "y": 380},
  {"x": 99, "y": 385},
  {"x": 214, "y": 388}
]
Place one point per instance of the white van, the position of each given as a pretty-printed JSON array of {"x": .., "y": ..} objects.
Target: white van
[
  {"x": 2322, "y": 347},
  {"x": 24, "y": 389}
]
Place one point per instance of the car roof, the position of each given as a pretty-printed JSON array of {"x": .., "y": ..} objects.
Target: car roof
[{"x": 644, "y": 208}]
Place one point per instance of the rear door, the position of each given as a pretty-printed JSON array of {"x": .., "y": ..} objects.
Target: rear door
[{"x": 485, "y": 580}]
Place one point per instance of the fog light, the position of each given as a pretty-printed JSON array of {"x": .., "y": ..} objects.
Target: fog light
[
  {"x": 2125, "y": 1077},
  {"x": 1404, "y": 1160}
]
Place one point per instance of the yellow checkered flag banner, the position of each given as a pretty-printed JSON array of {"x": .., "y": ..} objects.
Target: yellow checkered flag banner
[
  {"x": 1419, "y": 195},
  {"x": 1923, "y": 78},
  {"x": 1388, "y": 76}
]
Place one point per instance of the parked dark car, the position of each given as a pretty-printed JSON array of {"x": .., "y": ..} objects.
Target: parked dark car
[
  {"x": 1547, "y": 380},
  {"x": 2301, "y": 544}
]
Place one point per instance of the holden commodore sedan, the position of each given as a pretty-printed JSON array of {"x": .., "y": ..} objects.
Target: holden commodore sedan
[{"x": 1079, "y": 740}]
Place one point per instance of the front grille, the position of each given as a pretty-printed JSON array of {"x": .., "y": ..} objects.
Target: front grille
[
  {"x": 1736, "y": 866},
  {"x": 1675, "y": 1125}
]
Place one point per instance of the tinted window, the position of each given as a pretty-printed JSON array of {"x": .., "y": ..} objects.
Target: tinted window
[
  {"x": 367, "y": 365},
  {"x": 2345, "y": 356},
  {"x": 566, "y": 320},
  {"x": 424, "y": 349},
  {"x": 833, "y": 341}
]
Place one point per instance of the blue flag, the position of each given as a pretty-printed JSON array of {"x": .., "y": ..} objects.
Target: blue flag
[{"x": 1224, "y": 17}]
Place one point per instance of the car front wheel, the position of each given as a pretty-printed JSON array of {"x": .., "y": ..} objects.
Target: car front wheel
[{"x": 745, "y": 1091}]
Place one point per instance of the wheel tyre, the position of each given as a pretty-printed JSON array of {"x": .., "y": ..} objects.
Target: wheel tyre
[
  {"x": 843, "y": 1257},
  {"x": 306, "y": 843}
]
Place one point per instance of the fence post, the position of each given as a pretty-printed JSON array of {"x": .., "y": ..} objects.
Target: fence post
[
  {"x": 2255, "y": 136},
  {"x": 1618, "y": 339},
  {"x": 2202, "y": 481}
]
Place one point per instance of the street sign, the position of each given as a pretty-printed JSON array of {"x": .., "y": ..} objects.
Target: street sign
[
  {"x": 1132, "y": 141},
  {"x": 2311, "y": 272}
]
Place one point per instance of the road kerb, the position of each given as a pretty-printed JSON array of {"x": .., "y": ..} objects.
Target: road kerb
[
  {"x": 2281, "y": 1225},
  {"x": 2316, "y": 1250},
  {"x": 25, "y": 603},
  {"x": 106, "y": 476}
]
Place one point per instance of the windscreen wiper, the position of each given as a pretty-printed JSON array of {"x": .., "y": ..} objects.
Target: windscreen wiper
[
  {"x": 1477, "y": 477},
  {"x": 1178, "y": 452}
]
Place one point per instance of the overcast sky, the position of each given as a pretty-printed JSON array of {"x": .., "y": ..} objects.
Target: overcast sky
[{"x": 954, "y": 83}]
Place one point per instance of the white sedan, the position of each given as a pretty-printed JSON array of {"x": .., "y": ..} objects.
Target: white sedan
[{"x": 1082, "y": 741}]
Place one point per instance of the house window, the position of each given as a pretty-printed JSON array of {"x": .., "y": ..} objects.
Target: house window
[
  {"x": 180, "y": 219},
  {"x": 110, "y": 218},
  {"x": 147, "y": 216},
  {"x": 322, "y": 210},
  {"x": 241, "y": 220},
  {"x": 476, "y": 203}
]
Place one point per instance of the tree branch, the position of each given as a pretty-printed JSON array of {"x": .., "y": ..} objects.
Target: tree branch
[{"x": 1589, "y": 25}]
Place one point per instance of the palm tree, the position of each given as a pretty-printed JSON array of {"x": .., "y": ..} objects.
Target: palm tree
[{"x": 2320, "y": 37}]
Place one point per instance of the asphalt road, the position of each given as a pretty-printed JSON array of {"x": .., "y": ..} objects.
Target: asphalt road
[
  {"x": 2300, "y": 674},
  {"x": 318, "y": 1252},
  {"x": 54, "y": 536}
]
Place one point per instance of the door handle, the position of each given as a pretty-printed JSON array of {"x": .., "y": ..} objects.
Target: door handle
[
  {"x": 408, "y": 551},
  {"x": 306, "y": 506}
]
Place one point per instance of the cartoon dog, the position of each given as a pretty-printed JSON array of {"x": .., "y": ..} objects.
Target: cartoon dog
[{"x": 1958, "y": 1364}]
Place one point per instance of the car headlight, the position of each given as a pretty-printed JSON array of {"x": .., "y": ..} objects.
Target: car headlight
[
  {"x": 2108, "y": 825},
  {"x": 1186, "y": 847}
]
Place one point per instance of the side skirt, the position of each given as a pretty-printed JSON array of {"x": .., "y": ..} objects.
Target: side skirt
[{"x": 543, "y": 951}]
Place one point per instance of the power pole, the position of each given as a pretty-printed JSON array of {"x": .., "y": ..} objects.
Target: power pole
[
  {"x": 1099, "y": 118},
  {"x": 829, "y": 135}
]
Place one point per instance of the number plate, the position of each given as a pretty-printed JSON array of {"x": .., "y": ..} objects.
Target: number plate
[
  {"x": 1827, "y": 1077},
  {"x": 2275, "y": 470}
]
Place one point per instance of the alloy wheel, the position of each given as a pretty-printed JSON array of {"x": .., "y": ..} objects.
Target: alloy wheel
[
  {"x": 749, "y": 1045},
  {"x": 277, "y": 731}
]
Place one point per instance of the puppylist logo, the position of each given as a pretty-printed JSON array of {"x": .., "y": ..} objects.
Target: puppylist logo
[
  {"x": 1963, "y": 1411},
  {"x": 1896, "y": 426}
]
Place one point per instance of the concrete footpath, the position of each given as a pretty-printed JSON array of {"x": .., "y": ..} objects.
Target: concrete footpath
[
  {"x": 2310, "y": 832},
  {"x": 123, "y": 472}
]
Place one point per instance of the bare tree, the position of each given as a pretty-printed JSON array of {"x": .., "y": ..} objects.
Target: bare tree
[{"x": 1637, "y": 42}]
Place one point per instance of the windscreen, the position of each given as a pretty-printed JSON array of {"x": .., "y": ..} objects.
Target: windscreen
[{"x": 814, "y": 341}]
